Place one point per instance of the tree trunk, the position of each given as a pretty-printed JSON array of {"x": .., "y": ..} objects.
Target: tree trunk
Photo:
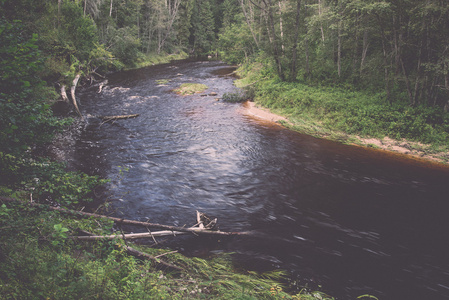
[
  {"x": 59, "y": 12},
  {"x": 110, "y": 10},
  {"x": 172, "y": 13},
  {"x": 407, "y": 82},
  {"x": 321, "y": 24},
  {"x": 306, "y": 46},
  {"x": 339, "y": 50},
  {"x": 418, "y": 76},
  {"x": 274, "y": 43},
  {"x": 249, "y": 22},
  {"x": 364, "y": 50},
  {"x": 386, "y": 68},
  {"x": 281, "y": 26},
  {"x": 295, "y": 41}
]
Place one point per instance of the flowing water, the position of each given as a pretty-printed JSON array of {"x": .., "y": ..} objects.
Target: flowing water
[{"x": 352, "y": 220}]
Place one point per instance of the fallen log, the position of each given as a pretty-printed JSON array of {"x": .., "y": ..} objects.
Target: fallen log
[
  {"x": 110, "y": 118},
  {"x": 101, "y": 85},
  {"x": 139, "y": 223},
  {"x": 139, "y": 254},
  {"x": 128, "y": 235}
]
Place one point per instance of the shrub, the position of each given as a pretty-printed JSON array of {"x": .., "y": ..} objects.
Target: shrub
[{"x": 235, "y": 97}]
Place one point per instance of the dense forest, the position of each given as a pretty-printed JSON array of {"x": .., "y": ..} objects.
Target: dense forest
[
  {"x": 365, "y": 67},
  {"x": 399, "y": 46}
]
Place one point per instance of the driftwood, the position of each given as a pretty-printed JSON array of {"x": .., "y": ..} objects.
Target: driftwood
[
  {"x": 72, "y": 92},
  {"x": 64, "y": 94},
  {"x": 192, "y": 230},
  {"x": 110, "y": 118},
  {"x": 129, "y": 235},
  {"x": 203, "y": 223},
  {"x": 101, "y": 85}
]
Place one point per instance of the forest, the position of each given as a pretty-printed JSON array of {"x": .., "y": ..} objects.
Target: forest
[{"x": 363, "y": 67}]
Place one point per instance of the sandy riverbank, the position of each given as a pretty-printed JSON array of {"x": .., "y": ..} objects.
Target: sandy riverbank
[{"x": 412, "y": 150}]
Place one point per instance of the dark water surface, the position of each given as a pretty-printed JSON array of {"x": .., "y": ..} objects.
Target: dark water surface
[{"x": 352, "y": 220}]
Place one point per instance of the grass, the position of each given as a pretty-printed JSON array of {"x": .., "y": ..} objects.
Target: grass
[{"x": 190, "y": 88}]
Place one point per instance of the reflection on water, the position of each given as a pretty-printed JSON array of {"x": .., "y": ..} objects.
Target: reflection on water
[{"x": 353, "y": 220}]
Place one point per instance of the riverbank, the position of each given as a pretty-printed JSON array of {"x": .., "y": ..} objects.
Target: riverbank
[
  {"x": 49, "y": 262},
  {"x": 412, "y": 150},
  {"x": 349, "y": 116}
]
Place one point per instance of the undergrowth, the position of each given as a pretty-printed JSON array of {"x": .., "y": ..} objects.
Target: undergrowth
[{"x": 39, "y": 260}]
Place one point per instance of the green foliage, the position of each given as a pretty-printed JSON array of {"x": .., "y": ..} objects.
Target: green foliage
[
  {"x": 59, "y": 234},
  {"x": 102, "y": 59},
  {"x": 68, "y": 188},
  {"x": 203, "y": 27},
  {"x": 39, "y": 260},
  {"x": 25, "y": 115},
  {"x": 4, "y": 211},
  {"x": 236, "y": 44},
  {"x": 125, "y": 45},
  {"x": 77, "y": 31},
  {"x": 352, "y": 112}
]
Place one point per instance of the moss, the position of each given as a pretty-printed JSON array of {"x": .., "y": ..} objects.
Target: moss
[{"x": 190, "y": 88}]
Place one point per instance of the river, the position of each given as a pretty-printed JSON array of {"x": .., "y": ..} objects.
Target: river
[{"x": 350, "y": 220}]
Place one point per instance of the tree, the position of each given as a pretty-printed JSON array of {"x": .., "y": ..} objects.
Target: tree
[
  {"x": 25, "y": 115},
  {"x": 203, "y": 27}
]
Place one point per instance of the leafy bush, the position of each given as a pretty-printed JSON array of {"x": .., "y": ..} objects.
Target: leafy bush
[
  {"x": 68, "y": 188},
  {"x": 236, "y": 44},
  {"x": 125, "y": 45},
  {"x": 25, "y": 115}
]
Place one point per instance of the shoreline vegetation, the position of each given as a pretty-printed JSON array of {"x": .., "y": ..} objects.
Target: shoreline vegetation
[
  {"x": 314, "y": 111},
  {"x": 402, "y": 148},
  {"x": 41, "y": 256}
]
